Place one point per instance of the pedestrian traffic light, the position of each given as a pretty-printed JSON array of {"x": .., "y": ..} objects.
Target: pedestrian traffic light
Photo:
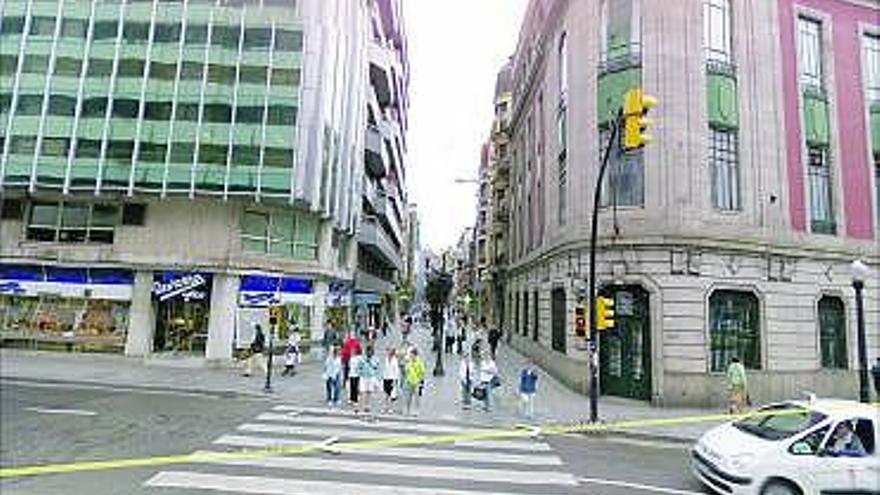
[
  {"x": 604, "y": 313},
  {"x": 580, "y": 320},
  {"x": 636, "y": 105}
]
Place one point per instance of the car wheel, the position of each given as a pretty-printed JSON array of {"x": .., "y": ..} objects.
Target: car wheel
[{"x": 780, "y": 488}]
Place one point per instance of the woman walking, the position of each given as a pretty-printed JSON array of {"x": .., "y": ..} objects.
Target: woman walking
[
  {"x": 390, "y": 378},
  {"x": 354, "y": 379},
  {"x": 368, "y": 371},
  {"x": 488, "y": 380},
  {"x": 332, "y": 375},
  {"x": 291, "y": 354},
  {"x": 415, "y": 379}
]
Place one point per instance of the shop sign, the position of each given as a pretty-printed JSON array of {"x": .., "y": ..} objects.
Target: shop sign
[
  {"x": 367, "y": 298},
  {"x": 169, "y": 285},
  {"x": 338, "y": 294},
  {"x": 13, "y": 288},
  {"x": 66, "y": 282},
  {"x": 264, "y": 290}
]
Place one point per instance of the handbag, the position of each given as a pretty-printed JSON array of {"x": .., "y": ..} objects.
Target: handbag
[
  {"x": 495, "y": 382},
  {"x": 479, "y": 392}
]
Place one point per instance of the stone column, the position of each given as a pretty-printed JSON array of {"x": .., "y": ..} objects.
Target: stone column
[
  {"x": 221, "y": 321},
  {"x": 319, "y": 300},
  {"x": 141, "y": 317}
]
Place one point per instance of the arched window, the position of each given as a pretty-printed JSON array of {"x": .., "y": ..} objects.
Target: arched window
[
  {"x": 734, "y": 329},
  {"x": 832, "y": 333}
]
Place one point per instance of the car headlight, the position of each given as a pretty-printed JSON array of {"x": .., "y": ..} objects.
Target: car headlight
[{"x": 742, "y": 461}]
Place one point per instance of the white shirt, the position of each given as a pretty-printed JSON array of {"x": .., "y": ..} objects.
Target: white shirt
[
  {"x": 488, "y": 369},
  {"x": 466, "y": 368},
  {"x": 353, "y": 365},
  {"x": 391, "y": 369}
]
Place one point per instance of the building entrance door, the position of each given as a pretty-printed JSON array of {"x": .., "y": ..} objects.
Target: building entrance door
[{"x": 625, "y": 352}]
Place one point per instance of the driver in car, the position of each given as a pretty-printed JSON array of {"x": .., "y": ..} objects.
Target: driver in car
[{"x": 845, "y": 443}]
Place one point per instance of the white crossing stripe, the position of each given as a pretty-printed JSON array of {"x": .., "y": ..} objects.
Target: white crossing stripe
[
  {"x": 245, "y": 441},
  {"x": 406, "y": 470},
  {"x": 312, "y": 412},
  {"x": 356, "y": 434},
  {"x": 361, "y": 424},
  {"x": 281, "y": 486}
]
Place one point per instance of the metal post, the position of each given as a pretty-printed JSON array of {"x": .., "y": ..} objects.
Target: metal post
[
  {"x": 268, "y": 387},
  {"x": 859, "y": 286},
  {"x": 591, "y": 301}
]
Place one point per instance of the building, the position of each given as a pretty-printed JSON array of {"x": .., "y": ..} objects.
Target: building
[
  {"x": 382, "y": 237},
  {"x": 169, "y": 169},
  {"x": 482, "y": 287},
  {"x": 731, "y": 234}
]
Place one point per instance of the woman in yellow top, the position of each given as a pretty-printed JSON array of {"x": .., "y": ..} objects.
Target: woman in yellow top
[
  {"x": 415, "y": 379},
  {"x": 737, "y": 387}
]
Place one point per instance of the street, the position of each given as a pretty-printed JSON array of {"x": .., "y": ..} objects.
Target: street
[{"x": 46, "y": 424}]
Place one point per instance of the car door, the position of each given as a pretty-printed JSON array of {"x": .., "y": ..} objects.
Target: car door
[
  {"x": 802, "y": 462},
  {"x": 866, "y": 470},
  {"x": 844, "y": 473}
]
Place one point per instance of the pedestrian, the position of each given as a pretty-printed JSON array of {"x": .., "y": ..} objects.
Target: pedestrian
[
  {"x": 390, "y": 378},
  {"x": 528, "y": 387},
  {"x": 737, "y": 387},
  {"x": 330, "y": 338},
  {"x": 466, "y": 376},
  {"x": 494, "y": 337},
  {"x": 449, "y": 341},
  {"x": 489, "y": 380},
  {"x": 368, "y": 376},
  {"x": 350, "y": 345},
  {"x": 292, "y": 355},
  {"x": 354, "y": 378},
  {"x": 415, "y": 380},
  {"x": 332, "y": 375},
  {"x": 256, "y": 359},
  {"x": 462, "y": 336},
  {"x": 384, "y": 327}
]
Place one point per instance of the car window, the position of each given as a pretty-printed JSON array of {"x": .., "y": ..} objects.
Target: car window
[
  {"x": 779, "y": 421},
  {"x": 809, "y": 444},
  {"x": 851, "y": 438}
]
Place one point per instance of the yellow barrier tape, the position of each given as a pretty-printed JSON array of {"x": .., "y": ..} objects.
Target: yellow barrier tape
[{"x": 394, "y": 441}]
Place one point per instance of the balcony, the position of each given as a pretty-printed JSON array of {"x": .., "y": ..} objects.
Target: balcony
[
  {"x": 373, "y": 238},
  {"x": 381, "y": 86},
  {"x": 375, "y": 157}
]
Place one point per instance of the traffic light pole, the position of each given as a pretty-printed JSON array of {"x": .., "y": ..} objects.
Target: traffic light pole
[{"x": 594, "y": 337}]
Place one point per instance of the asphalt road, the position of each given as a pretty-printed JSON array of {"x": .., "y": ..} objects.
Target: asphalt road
[{"x": 44, "y": 424}]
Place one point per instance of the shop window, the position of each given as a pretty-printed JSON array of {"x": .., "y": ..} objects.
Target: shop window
[
  {"x": 249, "y": 115},
  {"x": 42, "y": 26},
  {"x": 35, "y": 64},
  {"x": 281, "y": 115},
  {"x": 104, "y": 30},
  {"x": 832, "y": 332},
  {"x": 253, "y": 74},
  {"x": 259, "y": 38},
  {"x": 94, "y": 322},
  {"x": 94, "y": 108},
  {"x": 196, "y": 34},
  {"x": 285, "y": 77},
  {"x": 66, "y": 66},
  {"x": 74, "y": 28},
  {"x": 734, "y": 329},
  {"x": 30, "y": 105},
  {"x": 72, "y": 222},
  {"x": 12, "y": 25},
  {"x": 288, "y": 41}
]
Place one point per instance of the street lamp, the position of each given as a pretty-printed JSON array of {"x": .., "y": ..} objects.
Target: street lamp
[{"x": 860, "y": 272}]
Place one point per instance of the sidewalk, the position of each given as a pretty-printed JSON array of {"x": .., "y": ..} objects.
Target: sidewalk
[{"x": 554, "y": 403}]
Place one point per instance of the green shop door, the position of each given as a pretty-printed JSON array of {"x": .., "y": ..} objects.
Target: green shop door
[{"x": 625, "y": 352}]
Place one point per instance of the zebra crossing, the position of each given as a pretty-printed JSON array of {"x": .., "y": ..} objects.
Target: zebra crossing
[{"x": 490, "y": 467}]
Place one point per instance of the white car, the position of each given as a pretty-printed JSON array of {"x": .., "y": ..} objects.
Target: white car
[{"x": 794, "y": 448}]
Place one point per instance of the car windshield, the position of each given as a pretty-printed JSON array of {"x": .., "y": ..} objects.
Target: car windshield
[{"x": 779, "y": 421}]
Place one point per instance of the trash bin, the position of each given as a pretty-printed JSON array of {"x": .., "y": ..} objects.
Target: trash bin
[{"x": 875, "y": 371}]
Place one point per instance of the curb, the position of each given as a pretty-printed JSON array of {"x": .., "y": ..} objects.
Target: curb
[
  {"x": 219, "y": 394},
  {"x": 643, "y": 435}
]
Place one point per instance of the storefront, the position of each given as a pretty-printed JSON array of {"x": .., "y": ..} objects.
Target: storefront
[
  {"x": 65, "y": 307},
  {"x": 183, "y": 303},
  {"x": 367, "y": 310},
  {"x": 337, "y": 307},
  {"x": 257, "y": 293}
]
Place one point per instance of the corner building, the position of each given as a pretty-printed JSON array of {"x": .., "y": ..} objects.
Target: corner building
[
  {"x": 172, "y": 168},
  {"x": 733, "y": 232}
]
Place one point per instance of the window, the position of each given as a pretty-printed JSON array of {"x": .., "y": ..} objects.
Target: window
[
  {"x": 285, "y": 234},
  {"x": 872, "y": 68},
  {"x": 104, "y": 30},
  {"x": 35, "y": 64},
  {"x": 42, "y": 26},
  {"x": 99, "y": 67},
  {"x": 8, "y": 65},
  {"x": 62, "y": 105},
  {"x": 810, "y": 53},
  {"x": 72, "y": 222},
  {"x": 278, "y": 157},
  {"x": 249, "y": 115},
  {"x": 288, "y": 41},
  {"x": 74, "y": 28},
  {"x": 285, "y": 77},
  {"x": 196, "y": 34},
  {"x": 217, "y": 113},
  {"x": 130, "y": 67},
  {"x": 624, "y": 179},
  {"x": 809, "y": 444},
  {"x": 56, "y": 147},
  {"x": 88, "y": 148},
  {"x": 191, "y": 70},
  {"x": 724, "y": 169},
  {"x": 717, "y": 32},
  {"x": 22, "y": 145},
  {"x": 733, "y": 329},
  {"x": 257, "y": 38},
  {"x": 246, "y": 156},
  {"x": 779, "y": 421},
  {"x": 212, "y": 154},
  {"x": 182, "y": 152},
  {"x": 125, "y": 107},
  {"x": 536, "y": 314},
  {"x": 558, "y": 319},
  {"x": 620, "y": 32},
  {"x": 152, "y": 152},
  {"x": 120, "y": 151},
  {"x": 157, "y": 110},
  {"x": 11, "y": 25},
  {"x": 30, "y": 105},
  {"x": 877, "y": 186},
  {"x": 162, "y": 71},
  {"x": 252, "y": 74},
  {"x": 94, "y": 108},
  {"x": 281, "y": 115},
  {"x": 832, "y": 333},
  {"x": 136, "y": 32},
  {"x": 188, "y": 112},
  {"x": 166, "y": 33},
  {"x": 66, "y": 66},
  {"x": 525, "y": 323},
  {"x": 221, "y": 74},
  {"x": 225, "y": 36},
  {"x": 254, "y": 232},
  {"x": 819, "y": 171}
]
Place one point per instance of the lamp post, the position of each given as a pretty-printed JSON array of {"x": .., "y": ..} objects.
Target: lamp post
[{"x": 860, "y": 272}]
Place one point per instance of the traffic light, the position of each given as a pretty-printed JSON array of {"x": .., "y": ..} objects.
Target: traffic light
[
  {"x": 580, "y": 320},
  {"x": 636, "y": 105},
  {"x": 604, "y": 313}
]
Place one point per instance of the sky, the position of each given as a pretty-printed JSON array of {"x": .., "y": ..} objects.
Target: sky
[{"x": 455, "y": 50}]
